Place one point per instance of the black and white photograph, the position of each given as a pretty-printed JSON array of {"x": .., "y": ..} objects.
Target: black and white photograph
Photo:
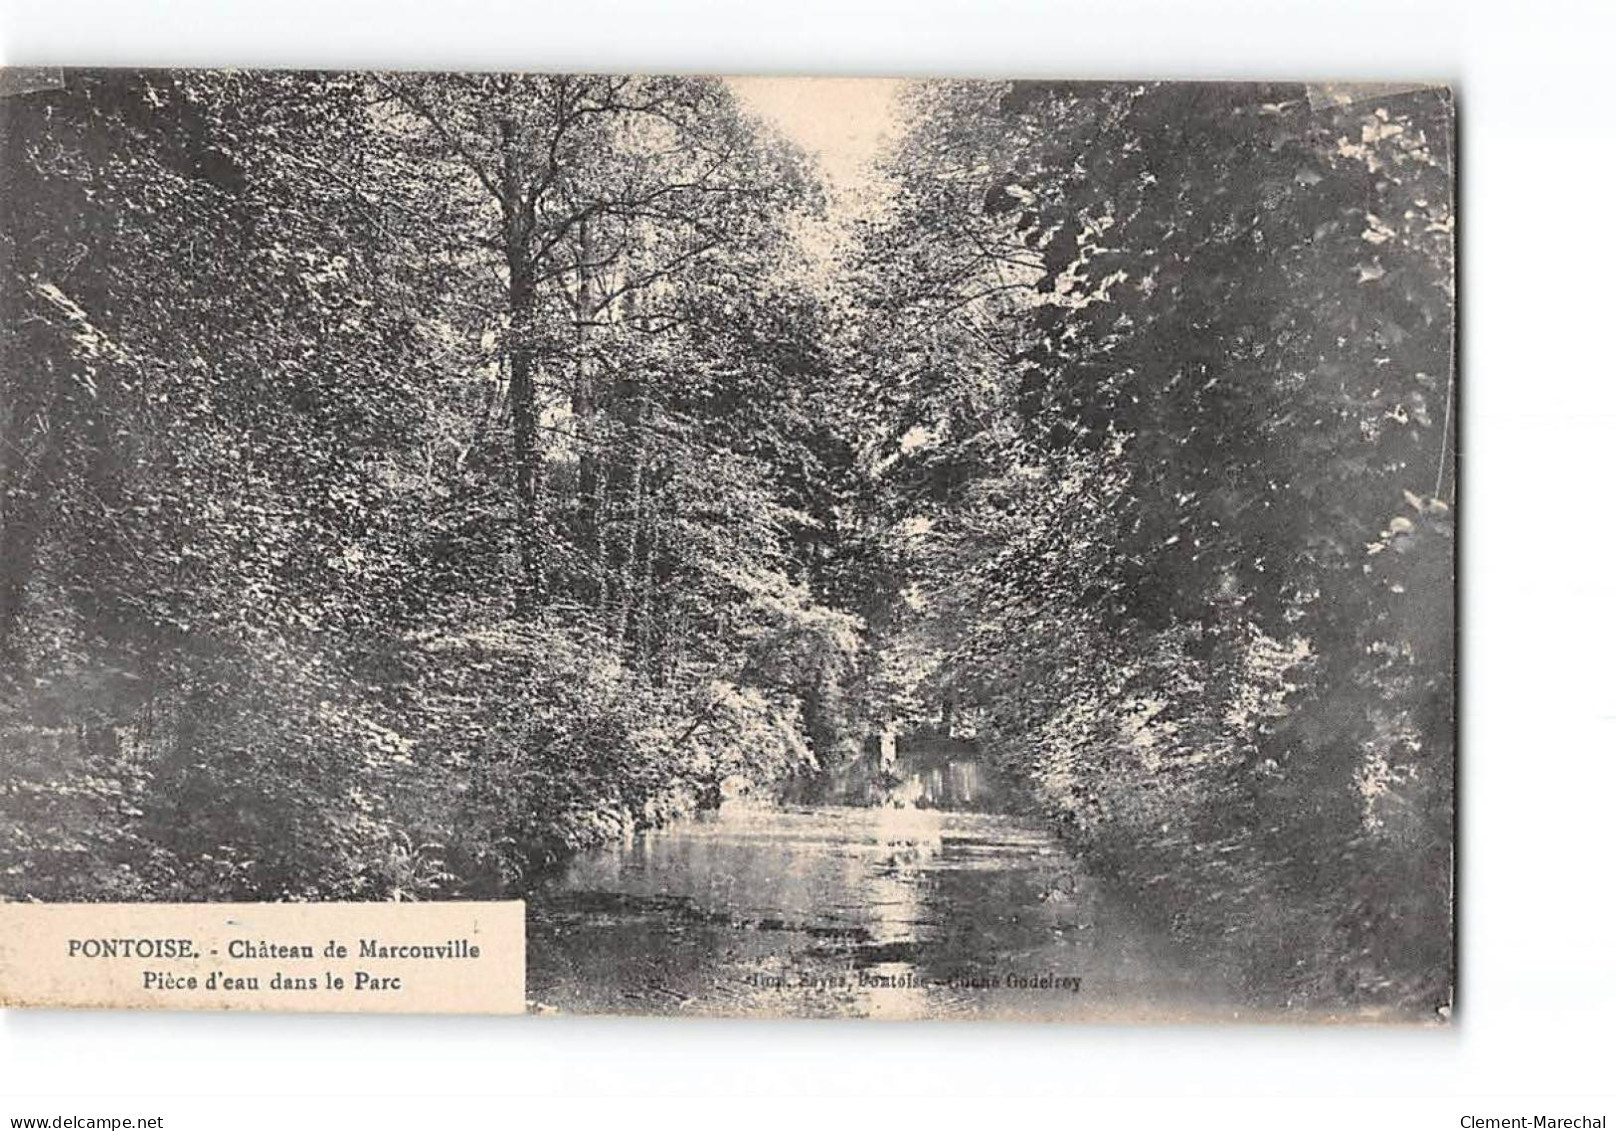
[{"x": 831, "y": 547}]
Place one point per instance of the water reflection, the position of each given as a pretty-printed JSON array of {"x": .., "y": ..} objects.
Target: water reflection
[{"x": 910, "y": 889}]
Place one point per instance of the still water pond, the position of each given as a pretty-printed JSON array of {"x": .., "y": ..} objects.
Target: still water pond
[{"x": 916, "y": 890}]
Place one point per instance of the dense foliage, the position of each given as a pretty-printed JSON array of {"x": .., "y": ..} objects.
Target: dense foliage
[
  {"x": 1170, "y": 458},
  {"x": 405, "y": 479},
  {"x": 409, "y": 479}
]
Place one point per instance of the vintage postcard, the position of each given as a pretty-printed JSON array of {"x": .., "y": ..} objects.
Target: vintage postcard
[{"x": 749, "y": 547}]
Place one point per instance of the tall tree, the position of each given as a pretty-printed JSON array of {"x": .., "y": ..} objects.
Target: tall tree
[{"x": 1195, "y": 576}]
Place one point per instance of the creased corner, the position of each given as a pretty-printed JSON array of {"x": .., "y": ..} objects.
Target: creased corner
[
  {"x": 27, "y": 80},
  {"x": 1321, "y": 95}
]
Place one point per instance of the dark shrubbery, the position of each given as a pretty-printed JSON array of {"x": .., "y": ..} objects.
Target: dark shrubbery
[
  {"x": 389, "y": 511},
  {"x": 1174, "y": 449}
]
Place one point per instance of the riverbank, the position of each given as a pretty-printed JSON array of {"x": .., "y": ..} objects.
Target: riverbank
[{"x": 919, "y": 889}]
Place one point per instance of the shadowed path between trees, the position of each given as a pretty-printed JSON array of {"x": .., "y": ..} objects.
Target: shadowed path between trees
[{"x": 921, "y": 891}]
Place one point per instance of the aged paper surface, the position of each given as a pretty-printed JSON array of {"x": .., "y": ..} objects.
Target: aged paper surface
[
  {"x": 308, "y": 957},
  {"x": 830, "y": 547}
]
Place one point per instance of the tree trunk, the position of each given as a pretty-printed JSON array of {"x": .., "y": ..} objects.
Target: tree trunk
[
  {"x": 523, "y": 356},
  {"x": 522, "y": 421},
  {"x": 629, "y": 592},
  {"x": 587, "y": 505}
]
